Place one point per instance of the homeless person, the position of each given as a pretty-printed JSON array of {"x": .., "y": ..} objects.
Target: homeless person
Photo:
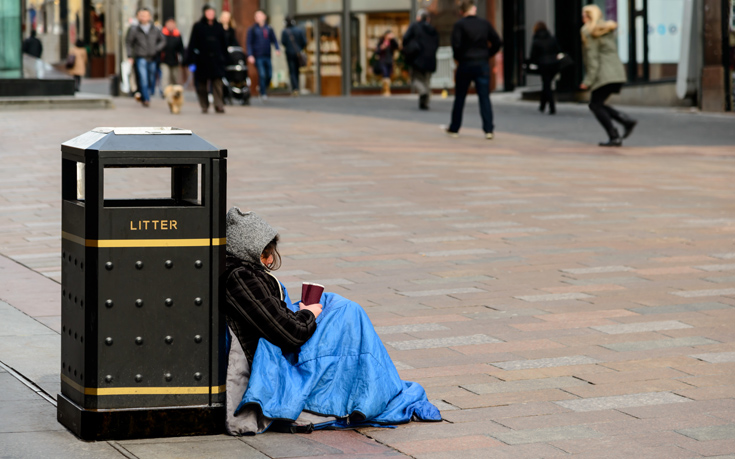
[{"x": 295, "y": 367}]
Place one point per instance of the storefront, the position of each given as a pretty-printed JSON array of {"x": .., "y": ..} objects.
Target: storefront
[
  {"x": 341, "y": 36},
  {"x": 649, "y": 39}
]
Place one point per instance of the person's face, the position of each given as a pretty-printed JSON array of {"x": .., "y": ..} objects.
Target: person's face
[
  {"x": 266, "y": 261},
  {"x": 260, "y": 17},
  {"x": 209, "y": 14},
  {"x": 389, "y": 36},
  {"x": 144, "y": 17},
  {"x": 224, "y": 18},
  {"x": 170, "y": 24},
  {"x": 585, "y": 17}
]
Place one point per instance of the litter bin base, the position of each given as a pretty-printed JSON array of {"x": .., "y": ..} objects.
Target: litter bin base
[{"x": 121, "y": 424}]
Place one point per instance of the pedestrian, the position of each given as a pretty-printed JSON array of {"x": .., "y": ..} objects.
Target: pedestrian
[
  {"x": 325, "y": 355},
  {"x": 259, "y": 41},
  {"x": 144, "y": 43},
  {"x": 172, "y": 55},
  {"x": 225, "y": 18},
  {"x": 387, "y": 46},
  {"x": 604, "y": 73},
  {"x": 474, "y": 42},
  {"x": 420, "y": 43},
  {"x": 293, "y": 40},
  {"x": 33, "y": 46},
  {"x": 79, "y": 65},
  {"x": 544, "y": 54},
  {"x": 207, "y": 51}
]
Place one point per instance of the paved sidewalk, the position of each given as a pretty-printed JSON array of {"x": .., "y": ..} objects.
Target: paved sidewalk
[{"x": 554, "y": 298}]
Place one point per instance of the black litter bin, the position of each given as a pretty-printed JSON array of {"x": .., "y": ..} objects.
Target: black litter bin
[{"x": 142, "y": 342}]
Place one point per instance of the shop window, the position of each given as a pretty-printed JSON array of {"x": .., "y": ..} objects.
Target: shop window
[
  {"x": 370, "y": 28},
  {"x": 661, "y": 31}
]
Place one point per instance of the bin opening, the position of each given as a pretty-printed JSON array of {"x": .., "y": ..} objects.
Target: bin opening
[{"x": 179, "y": 185}]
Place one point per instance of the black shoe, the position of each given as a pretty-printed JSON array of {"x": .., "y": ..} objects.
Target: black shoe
[
  {"x": 628, "y": 128},
  {"x": 423, "y": 102},
  {"x": 613, "y": 142},
  {"x": 552, "y": 111}
]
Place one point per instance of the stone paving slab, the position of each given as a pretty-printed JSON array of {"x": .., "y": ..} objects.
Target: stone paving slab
[
  {"x": 622, "y": 401},
  {"x": 546, "y": 363}
]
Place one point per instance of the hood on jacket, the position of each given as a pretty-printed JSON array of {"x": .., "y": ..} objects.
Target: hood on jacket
[
  {"x": 247, "y": 235},
  {"x": 597, "y": 26}
]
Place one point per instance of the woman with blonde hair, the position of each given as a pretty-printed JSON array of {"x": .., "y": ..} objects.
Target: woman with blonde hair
[{"x": 604, "y": 73}]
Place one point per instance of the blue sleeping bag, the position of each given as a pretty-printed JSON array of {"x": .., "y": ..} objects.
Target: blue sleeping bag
[{"x": 343, "y": 371}]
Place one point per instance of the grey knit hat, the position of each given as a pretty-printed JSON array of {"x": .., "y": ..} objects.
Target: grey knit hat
[{"x": 247, "y": 235}]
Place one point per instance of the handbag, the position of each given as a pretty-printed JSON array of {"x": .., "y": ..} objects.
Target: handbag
[
  {"x": 71, "y": 59},
  {"x": 301, "y": 55},
  {"x": 564, "y": 60}
]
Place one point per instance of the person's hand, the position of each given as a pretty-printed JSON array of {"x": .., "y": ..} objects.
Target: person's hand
[
  {"x": 278, "y": 52},
  {"x": 315, "y": 309},
  {"x": 583, "y": 87},
  {"x": 251, "y": 59},
  {"x": 130, "y": 59}
]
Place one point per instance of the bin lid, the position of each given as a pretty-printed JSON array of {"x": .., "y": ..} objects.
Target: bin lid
[{"x": 149, "y": 142}]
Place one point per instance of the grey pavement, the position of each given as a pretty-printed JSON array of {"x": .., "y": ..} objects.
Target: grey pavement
[{"x": 554, "y": 298}]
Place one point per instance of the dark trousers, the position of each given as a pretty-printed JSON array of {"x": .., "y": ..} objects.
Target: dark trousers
[
  {"x": 265, "y": 73},
  {"x": 202, "y": 87},
  {"x": 293, "y": 70},
  {"x": 547, "y": 93},
  {"x": 387, "y": 69},
  {"x": 479, "y": 73},
  {"x": 605, "y": 114},
  {"x": 77, "y": 82}
]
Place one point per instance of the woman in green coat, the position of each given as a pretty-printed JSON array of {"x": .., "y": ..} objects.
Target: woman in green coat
[{"x": 604, "y": 73}]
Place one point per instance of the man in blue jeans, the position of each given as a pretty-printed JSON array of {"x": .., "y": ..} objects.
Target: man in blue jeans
[
  {"x": 259, "y": 40},
  {"x": 144, "y": 43},
  {"x": 474, "y": 42}
]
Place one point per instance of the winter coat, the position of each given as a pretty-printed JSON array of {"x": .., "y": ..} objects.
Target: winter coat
[
  {"x": 255, "y": 309},
  {"x": 231, "y": 37},
  {"x": 207, "y": 50},
  {"x": 294, "y": 45},
  {"x": 424, "y": 39},
  {"x": 385, "y": 56},
  {"x": 470, "y": 37},
  {"x": 174, "y": 49},
  {"x": 80, "y": 61},
  {"x": 260, "y": 39},
  {"x": 600, "y": 53},
  {"x": 33, "y": 46},
  {"x": 145, "y": 45},
  {"x": 544, "y": 50}
]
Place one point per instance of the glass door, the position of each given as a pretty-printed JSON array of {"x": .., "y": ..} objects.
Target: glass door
[
  {"x": 309, "y": 75},
  {"x": 330, "y": 55}
]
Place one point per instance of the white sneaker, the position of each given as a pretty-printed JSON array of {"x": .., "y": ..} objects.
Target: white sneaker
[{"x": 489, "y": 136}]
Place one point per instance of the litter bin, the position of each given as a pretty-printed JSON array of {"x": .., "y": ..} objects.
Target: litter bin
[{"x": 142, "y": 342}]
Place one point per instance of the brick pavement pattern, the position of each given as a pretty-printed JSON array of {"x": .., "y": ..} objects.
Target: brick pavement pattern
[{"x": 553, "y": 298}]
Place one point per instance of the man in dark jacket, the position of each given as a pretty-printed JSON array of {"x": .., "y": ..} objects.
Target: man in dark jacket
[
  {"x": 293, "y": 40},
  {"x": 33, "y": 46},
  {"x": 172, "y": 54},
  {"x": 207, "y": 50},
  {"x": 474, "y": 42},
  {"x": 144, "y": 43},
  {"x": 419, "y": 49},
  {"x": 259, "y": 40}
]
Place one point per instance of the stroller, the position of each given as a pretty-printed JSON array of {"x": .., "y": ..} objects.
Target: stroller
[{"x": 236, "y": 82}]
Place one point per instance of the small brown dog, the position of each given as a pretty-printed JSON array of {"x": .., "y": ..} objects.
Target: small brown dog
[{"x": 174, "y": 94}]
